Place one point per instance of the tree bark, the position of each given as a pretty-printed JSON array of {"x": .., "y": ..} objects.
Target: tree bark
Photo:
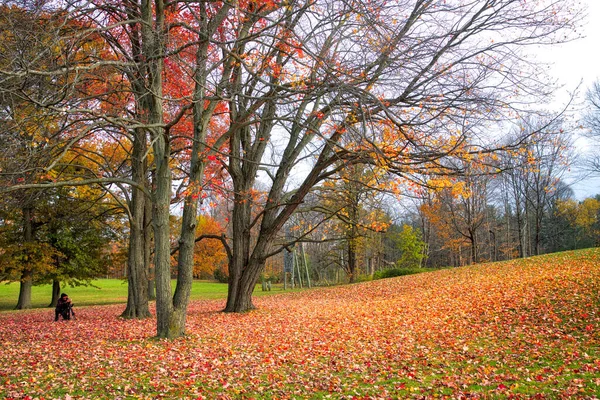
[
  {"x": 55, "y": 293},
  {"x": 238, "y": 299},
  {"x": 148, "y": 249},
  {"x": 351, "y": 260},
  {"x": 162, "y": 243},
  {"x": 137, "y": 279},
  {"x": 26, "y": 284},
  {"x": 240, "y": 294}
]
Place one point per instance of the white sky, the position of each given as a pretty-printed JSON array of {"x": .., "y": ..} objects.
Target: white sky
[
  {"x": 579, "y": 62},
  {"x": 579, "y": 59}
]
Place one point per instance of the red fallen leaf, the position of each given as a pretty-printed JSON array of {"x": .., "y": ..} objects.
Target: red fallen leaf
[
  {"x": 314, "y": 337},
  {"x": 539, "y": 378},
  {"x": 589, "y": 328}
]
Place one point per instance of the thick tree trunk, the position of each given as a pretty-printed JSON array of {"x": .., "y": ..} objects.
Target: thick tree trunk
[
  {"x": 55, "y": 293},
  {"x": 238, "y": 301},
  {"x": 137, "y": 294},
  {"x": 240, "y": 295},
  {"x": 24, "y": 301},
  {"x": 162, "y": 243}
]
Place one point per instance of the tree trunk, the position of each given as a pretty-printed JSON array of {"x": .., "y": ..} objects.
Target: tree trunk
[
  {"x": 185, "y": 259},
  {"x": 148, "y": 249},
  {"x": 25, "y": 290},
  {"x": 473, "y": 258},
  {"x": 238, "y": 299},
  {"x": 137, "y": 292},
  {"x": 137, "y": 295},
  {"x": 24, "y": 301},
  {"x": 240, "y": 294},
  {"x": 351, "y": 260},
  {"x": 55, "y": 293},
  {"x": 162, "y": 243},
  {"x": 352, "y": 241}
]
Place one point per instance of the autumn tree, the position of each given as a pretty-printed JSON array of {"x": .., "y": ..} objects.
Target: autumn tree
[
  {"x": 459, "y": 212},
  {"x": 579, "y": 223},
  {"x": 350, "y": 202},
  {"x": 393, "y": 105},
  {"x": 72, "y": 228},
  {"x": 32, "y": 39}
]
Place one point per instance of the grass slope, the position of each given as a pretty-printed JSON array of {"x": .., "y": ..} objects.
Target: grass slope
[{"x": 503, "y": 330}]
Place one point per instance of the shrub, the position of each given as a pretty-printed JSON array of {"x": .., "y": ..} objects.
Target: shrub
[
  {"x": 221, "y": 275},
  {"x": 390, "y": 273}
]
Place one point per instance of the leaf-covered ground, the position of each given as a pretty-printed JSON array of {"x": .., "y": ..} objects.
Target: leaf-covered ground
[{"x": 518, "y": 329}]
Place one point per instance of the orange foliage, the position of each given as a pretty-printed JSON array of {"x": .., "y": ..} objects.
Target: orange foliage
[{"x": 209, "y": 254}]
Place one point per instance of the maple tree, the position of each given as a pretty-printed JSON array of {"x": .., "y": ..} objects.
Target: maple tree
[{"x": 209, "y": 254}]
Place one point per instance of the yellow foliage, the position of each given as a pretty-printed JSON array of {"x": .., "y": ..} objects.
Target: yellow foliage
[{"x": 584, "y": 214}]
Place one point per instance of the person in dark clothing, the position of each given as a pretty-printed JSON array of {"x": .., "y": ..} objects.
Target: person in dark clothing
[{"x": 64, "y": 307}]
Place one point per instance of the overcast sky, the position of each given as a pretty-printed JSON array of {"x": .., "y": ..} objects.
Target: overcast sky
[
  {"x": 579, "y": 62},
  {"x": 580, "y": 59}
]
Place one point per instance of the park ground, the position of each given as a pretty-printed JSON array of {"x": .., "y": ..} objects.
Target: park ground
[
  {"x": 109, "y": 291},
  {"x": 518, "y": 329}
]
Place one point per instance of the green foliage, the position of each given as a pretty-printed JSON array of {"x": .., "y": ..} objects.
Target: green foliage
[
  {"x": 274, "y": 277},
  {"x": 411, "y": 246},
  {"x": 221, "y": 275},
  {"x": 70, "y": 238},
  {"x": 393, "y": 272}
]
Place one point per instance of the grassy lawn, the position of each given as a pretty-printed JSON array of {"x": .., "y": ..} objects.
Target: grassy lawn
[{"x": 108, "y": 291}]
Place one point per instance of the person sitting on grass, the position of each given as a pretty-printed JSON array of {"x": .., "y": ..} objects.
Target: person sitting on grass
[{"x": 64, "y": 307}]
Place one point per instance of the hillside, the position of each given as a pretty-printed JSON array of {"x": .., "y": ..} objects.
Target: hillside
[{"x": 509, "y": 329}]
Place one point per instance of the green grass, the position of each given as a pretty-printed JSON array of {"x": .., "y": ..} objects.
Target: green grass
[{"x": 108, "y": 291}]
